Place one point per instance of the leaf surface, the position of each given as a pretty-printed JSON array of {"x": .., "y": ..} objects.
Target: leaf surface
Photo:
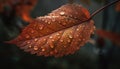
[{"x": 59, "y": 33}]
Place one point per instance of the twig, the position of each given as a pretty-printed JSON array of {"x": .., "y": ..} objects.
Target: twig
[{"x": 102, "y": 8}]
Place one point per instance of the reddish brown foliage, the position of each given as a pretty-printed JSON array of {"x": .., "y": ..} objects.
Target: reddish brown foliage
[
  {"x": 58, "y": 33},
  {"x": 22, "y": 7},
  {"x": 117, "y": 7},
  {"x": 114, "y": 37}
]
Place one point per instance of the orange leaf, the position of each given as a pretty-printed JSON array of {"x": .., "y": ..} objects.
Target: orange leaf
[
  {"x": 117, "y": 7},
  {"x": 114, "y": 37},
  {"x": 58, "y": 33}
]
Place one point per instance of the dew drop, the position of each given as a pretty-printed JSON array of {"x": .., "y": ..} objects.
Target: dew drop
[
  {"x": 50, "y": 37},
  {"x": 51, "y": 53},
  {"x": 53, "y": 40},
  {"x": 30, "y": 46},
  {"x": 78, "y": 29},
  {"x": 64, "y": 46},
  {"x": 56, "y": 51},
  {"x": 61, "y": 40},
  {"x": 70, "y": 36},
  {"x": 49, "y": 22},
  {"x": 27, "y": 36},
  {"x": 32, "y": 31},
  {"x": 44, "y": 39},
  {"x": 57, "y": 34},
  {"x": 62, "y": 13},
  {"x": 79, "y": 39},
  {"x": 43, "y": 49},
  {"x": 68, "y": 40},
  {"x": 53, "y": 20},
  {"x": 35, "y": 39},
  {"x": 28, "y": 42},
  {"x": 51, "y": 46},
  {"x": 35, "y": 48},
  {"x": 41, "y": 27},
  {"x": 83, "y": 39},
  {"x": 64, "y": 23},
  {"x": 46, "y": 21},
  {"x": 77, "y": 35}
]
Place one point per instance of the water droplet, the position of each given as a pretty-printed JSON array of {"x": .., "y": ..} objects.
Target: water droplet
[
  {"x": 61, "y": 40},
  {"x": 32, "y": 31},
  {"x": 62, "y": 13},
  {"x": 27, "y": 36},
  {"x": 78, "y": 29},
  {"x": 69, "y": 40},
  {"x": 43, "y": 49},
  {"x": 46, "y": 21},
  {"x": 53, "y": 40},
  {"x": 70, "y": 36},
  {"x": 35, "y": 39},
  {"x": 79, "y": 39},
  {"x": 50, "y": 37},
  {"x": 64, "y": 46},
  {"x": 64, "y": 23},
  {"x": 83, "y": 39},
  {"x": 51, "y": 53},
  {"x": 44, "y": 39},
  {"x": 57, "y": 34},
  {"x": 30, "y": 46},
  {"x": 56, "y": 51},
  {"x": 41, "y": 27},
  {"x": 49, "y": 22},
  {"x": 77, "y": 35},
  {"x": 51, "y": 46},
  {"x": 28, "y": 42},
  {"x": 58, "y": 37},
  {"x": 35, "y": 48}
]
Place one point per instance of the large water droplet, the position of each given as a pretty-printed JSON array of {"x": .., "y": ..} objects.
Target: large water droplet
[
  {"x": 35, "y": 48},
  {"x": 43, "y": 49},
  {"x": 78, "y": 29},
  {"x": 27, "y": 36},
  {"x": 49, "y": 22},
  {"x": 53, "y": 40},
  {"x": 32, "y": 31},
  {"x": 50, "y": 37},
  {"x": 57, "y": 34},
  {"x": 41, "y": 27},
  {"x": 30, "y": 46},
  {"x": 70, "y": 36},
  {"x": 35, "y": 39},
  {"x": 62, "y": 13},
  {"x": 51, "y": 46},
  {"x": 28, "y": 42},
  {"x": 68, "y": 40},
  {"x": 61, "y": 40}
]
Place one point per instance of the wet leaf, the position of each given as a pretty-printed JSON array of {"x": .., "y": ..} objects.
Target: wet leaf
[
  {"x": 59, "y": 33},
  {"x": 114, "y": 37}
]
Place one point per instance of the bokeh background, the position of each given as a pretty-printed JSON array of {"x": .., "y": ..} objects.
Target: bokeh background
[{"x": 99, "y": 53}]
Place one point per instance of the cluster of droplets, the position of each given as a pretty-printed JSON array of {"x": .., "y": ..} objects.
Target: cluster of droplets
[{"x": 58, "y": 33}]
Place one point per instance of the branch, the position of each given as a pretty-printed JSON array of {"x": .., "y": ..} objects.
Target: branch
[{"x": 102, "y": 8}]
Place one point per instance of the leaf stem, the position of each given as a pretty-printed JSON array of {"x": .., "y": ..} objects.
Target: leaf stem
[{"x": 102, "y": 8}]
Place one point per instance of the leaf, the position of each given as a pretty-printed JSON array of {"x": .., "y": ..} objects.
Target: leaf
[
  {"x": 117, "y": 7},
  {"x": 114, "y": 37},
  {"x": 59, "y": 33}
]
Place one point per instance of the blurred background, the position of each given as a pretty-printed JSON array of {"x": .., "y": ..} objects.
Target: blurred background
[{"x": 101, "y": 52}]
